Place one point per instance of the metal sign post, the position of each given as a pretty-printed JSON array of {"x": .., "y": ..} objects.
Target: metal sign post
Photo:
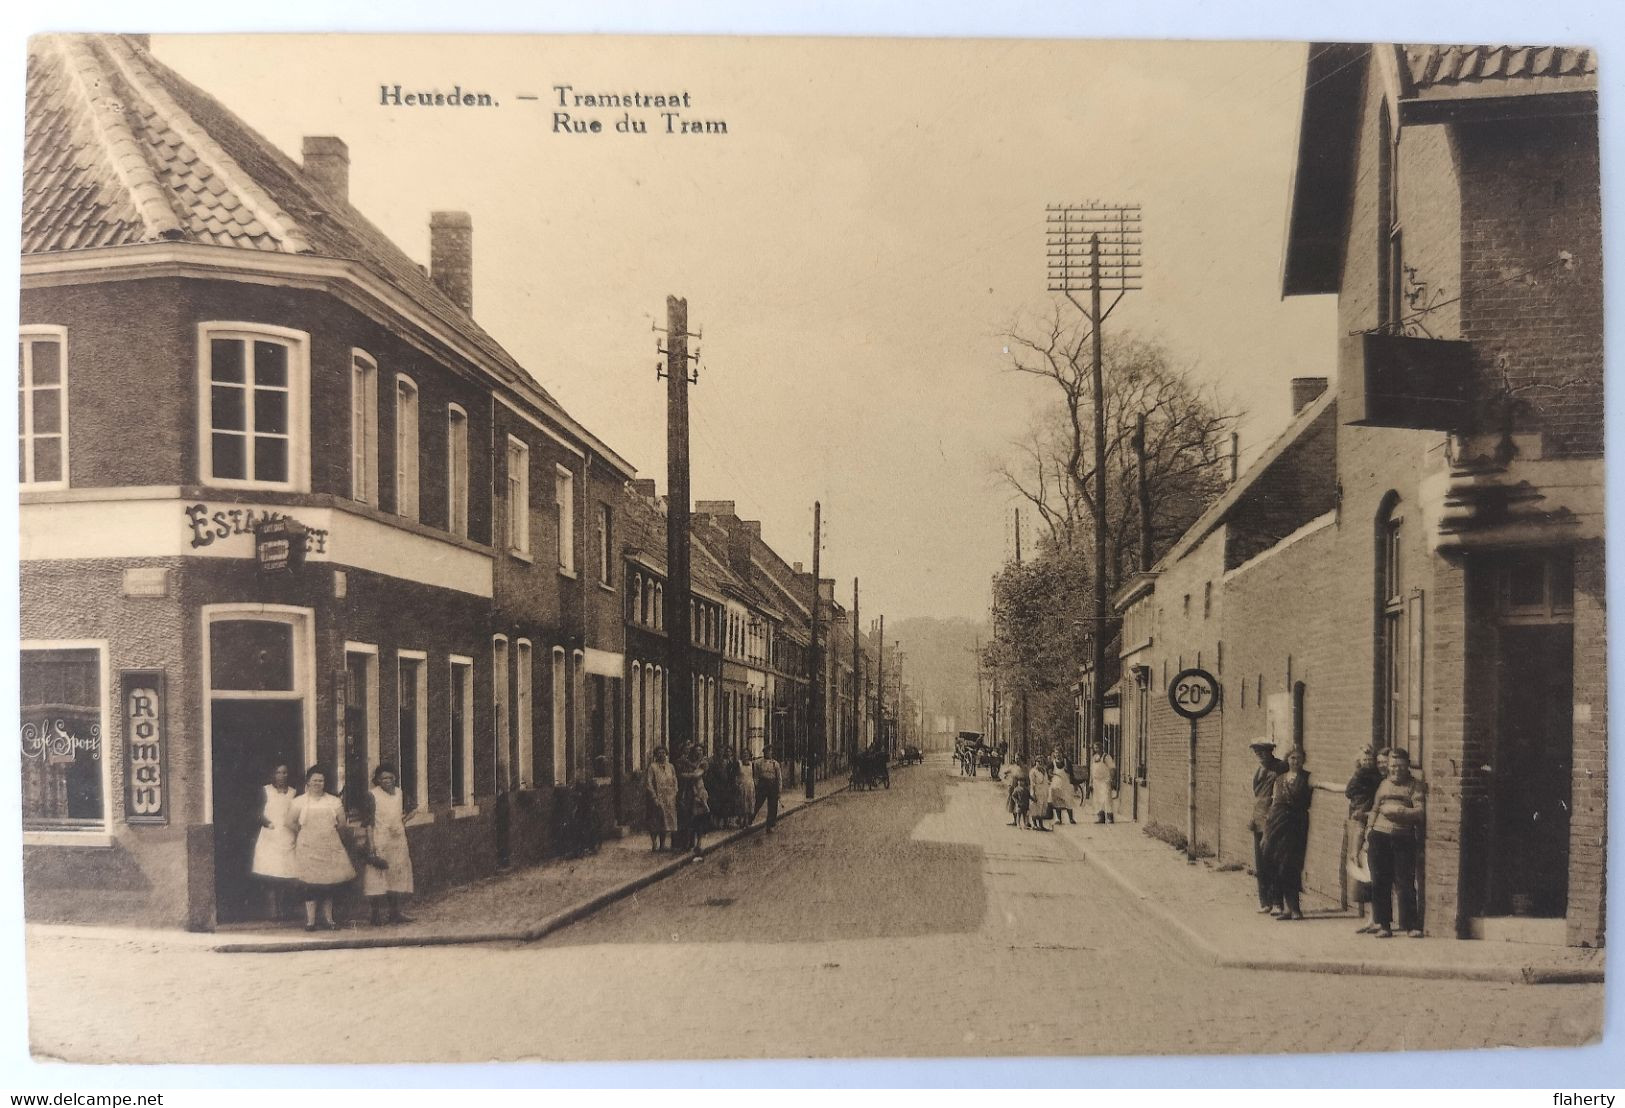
[{"x": 1193, "y": 694}]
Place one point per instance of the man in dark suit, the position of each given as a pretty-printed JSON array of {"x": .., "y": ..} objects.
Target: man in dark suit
[{"x": 1269, "y": 768}]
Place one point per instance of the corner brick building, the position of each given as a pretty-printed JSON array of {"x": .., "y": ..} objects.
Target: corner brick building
[
  {"x": 1418, "y": 560},
  {"x": 225, "y": 366}
]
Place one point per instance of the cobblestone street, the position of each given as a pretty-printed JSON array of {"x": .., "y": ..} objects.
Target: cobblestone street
[{"x": 903, "y": 922}]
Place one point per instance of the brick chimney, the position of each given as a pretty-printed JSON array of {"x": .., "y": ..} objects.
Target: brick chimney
[
  {"x": 645, "y": 487},
  {"x": 1305, "y": 390},
  {"x": 754, "y": 526},
  {"x": 451, "y": 256},
  {"x": 796, "y": 568},
  {"x": 714, "y": 507},
  {"x": 327, "y": 164}
]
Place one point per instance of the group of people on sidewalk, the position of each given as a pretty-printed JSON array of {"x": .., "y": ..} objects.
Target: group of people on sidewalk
[
  {"x": 311, "y": 845},
  {"x": 1040, "y": 789},
  {"x": 687, "y": 797},
  {"x": 1386, "y": 807}
]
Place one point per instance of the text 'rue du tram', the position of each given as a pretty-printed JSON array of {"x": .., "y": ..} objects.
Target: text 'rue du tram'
[{"x": 583, "y": 113}]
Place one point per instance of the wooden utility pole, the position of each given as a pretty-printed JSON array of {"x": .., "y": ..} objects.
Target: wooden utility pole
[
  {"x": 857, "y": 691},
  {"x": 880, "y": 688},
  {"x": 814, "y": 662},
  {"x": 1071, "y": 270},
  {"x": 679, "y": 633}
]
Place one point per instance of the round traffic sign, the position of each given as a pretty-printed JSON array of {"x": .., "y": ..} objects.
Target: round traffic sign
[{"x": 1193, "y": 693}]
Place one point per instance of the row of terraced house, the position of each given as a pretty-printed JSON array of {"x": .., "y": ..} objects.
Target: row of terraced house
[
  {"x": 284, "y": 501},
  {"x": 1417, "y": 561}
]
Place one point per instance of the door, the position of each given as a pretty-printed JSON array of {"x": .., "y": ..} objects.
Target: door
[
  {"x": 1529, "y": 859},
  {"x": 250, "y": 738}
]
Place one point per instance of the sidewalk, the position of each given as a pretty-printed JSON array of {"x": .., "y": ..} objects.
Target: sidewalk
[
  {"x": 1216, "y": 913},
  {"x": 519, "y": 906}
]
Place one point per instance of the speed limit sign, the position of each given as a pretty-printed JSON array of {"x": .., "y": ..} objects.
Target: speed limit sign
[{"x": 1193, "y": 693}]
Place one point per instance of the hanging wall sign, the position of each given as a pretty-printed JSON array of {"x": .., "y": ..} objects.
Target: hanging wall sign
[{"x": 146, "y": 747}]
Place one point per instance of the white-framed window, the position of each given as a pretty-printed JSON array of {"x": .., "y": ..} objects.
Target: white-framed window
[
  {"x": 406, "y": 446},
  {"x": 253, "y": 406},
  {"x": 634, "y": 715},
  {"x": 42, "y": 407},
  {"x": 363, "y": 428},
  {"x": 660, "y": 607},
  {"x": 360, "y": 753},
  {"x": 412, "y": 727},
  {"x": 66, "y": 772},
  {"x": 564, "y": 508},
  {"x": 560, "y": 736},
  {"x": 518, "y": 497},
  {"x": 456, "y": 470},
  {"x": 522, "y": 715},
  {"x": 500, "y": 720},
  {"x": 606, "y": 559},
  {"x": 635, "y": 596},
  {"x": 460, "y": 730}
]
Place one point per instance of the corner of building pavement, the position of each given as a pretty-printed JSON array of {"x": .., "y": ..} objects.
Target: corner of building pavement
[
  {"x": 521, "y": 905},
  {"x": 1214, "y": 909}
]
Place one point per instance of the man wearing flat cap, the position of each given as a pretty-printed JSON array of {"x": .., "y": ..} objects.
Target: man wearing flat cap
[{"x": 1269, "y": 768}]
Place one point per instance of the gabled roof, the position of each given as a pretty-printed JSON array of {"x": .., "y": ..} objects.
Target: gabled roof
[
  {"x": 1437, "y": 84},
  {"x": 119, "y": 150}
]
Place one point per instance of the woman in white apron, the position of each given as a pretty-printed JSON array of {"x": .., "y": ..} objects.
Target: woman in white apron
[
  {"x": 273, "y": 850},
  {"x": 321, "y": 862},
  {"x": 387, "y": 875}
]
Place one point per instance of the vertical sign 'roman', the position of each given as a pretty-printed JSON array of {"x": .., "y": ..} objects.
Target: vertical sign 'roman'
[{"x": 144, "y": 747}]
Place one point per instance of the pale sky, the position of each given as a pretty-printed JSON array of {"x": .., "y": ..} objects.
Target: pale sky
[{"x": 851, "y": 248}]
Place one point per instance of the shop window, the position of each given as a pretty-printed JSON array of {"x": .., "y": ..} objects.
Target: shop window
[
  {"x": 406, "y": 447},
  {"x": 518, "y": 498},
  {"x": 62, "y": 693},
  {"x": 363, "y": 428},
  {"x": 460, "y": 731},
  {"x": 253, "y": 412},
  {"x": 412, "y": 722},
  {"x": 456, "y": 470},
  {"x": 42, "y": 407}
]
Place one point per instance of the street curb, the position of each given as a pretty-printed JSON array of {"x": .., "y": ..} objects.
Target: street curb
[
  {"x": 557, "y": 921},
  {"x": 1514, "y": 975}
]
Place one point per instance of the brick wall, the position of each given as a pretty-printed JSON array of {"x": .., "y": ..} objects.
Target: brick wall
[
  {"x": 1588, "y": 831},
  {"x": 1530, "y": 190}
]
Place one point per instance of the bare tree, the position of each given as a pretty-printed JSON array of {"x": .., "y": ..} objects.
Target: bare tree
[{"x": 1187, "y": 428}]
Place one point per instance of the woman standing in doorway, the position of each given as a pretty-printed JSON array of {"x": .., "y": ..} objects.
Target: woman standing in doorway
[
  {"x": 320, "y": 860},
  {"x": 273, "y": 850},
  {"x": 388, "y": 873}
]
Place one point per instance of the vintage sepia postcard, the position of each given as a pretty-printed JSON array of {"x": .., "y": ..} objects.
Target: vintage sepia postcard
[{"x": 619, "y": 548}]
